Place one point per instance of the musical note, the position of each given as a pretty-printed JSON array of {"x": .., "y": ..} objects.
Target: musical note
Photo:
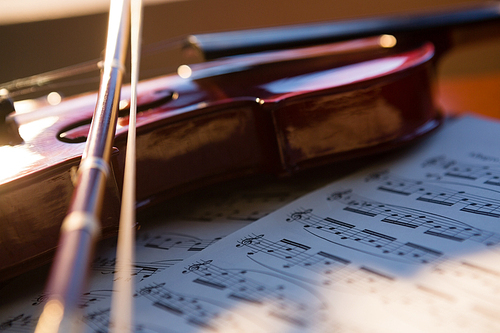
[
  {"x": 197, "y": 312},
  {"x": 241, "y": 287},
  {"x": 364, "y": 279},
  {"x": 433, "y": 224},
  {"x": 155, "y": 243},
  {"x": 20, "y": 323},
  {"x": 439, "y": 162},
  {"x": 104, "y": 265},
  {"x": 292, "y": 259},
  {"x": 141, "y": 269},
  {"x": 371, "y": 252},
  {"x": 439, "y": 195},
  {"x": 98, "y": 320},
  {"x": 92, "y": 297},
  {"x": 365, "y": 240},
  {"x": 168, "y": 241},
  {"x": 453, "y": 168}
]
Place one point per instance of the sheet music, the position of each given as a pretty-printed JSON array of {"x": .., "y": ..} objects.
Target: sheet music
[
  {"x": 407, "y": 245},
  {"x": 183, "y": 227}
]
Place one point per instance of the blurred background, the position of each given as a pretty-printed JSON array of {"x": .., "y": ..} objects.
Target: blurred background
[{"x": 41, "y": 35}]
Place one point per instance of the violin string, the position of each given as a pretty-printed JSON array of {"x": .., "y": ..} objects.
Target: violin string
[
  {"x": 19, "y": 94},
  {"x": 122, "y": 310},
  {"x": 47, "y": 77},
  {"x": 45, "y": 81}
]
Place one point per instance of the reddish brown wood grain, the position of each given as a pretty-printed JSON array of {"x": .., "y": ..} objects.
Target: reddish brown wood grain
[{"x": 274, "y": 112}]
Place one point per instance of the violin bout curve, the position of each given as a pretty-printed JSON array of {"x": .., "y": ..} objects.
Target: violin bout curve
[{"x": 277, "y": 112}]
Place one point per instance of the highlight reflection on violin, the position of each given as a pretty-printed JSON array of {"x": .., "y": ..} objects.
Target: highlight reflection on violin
[
  {"x": 288, "y": 109},
  {"x": 276, "y": 111}
]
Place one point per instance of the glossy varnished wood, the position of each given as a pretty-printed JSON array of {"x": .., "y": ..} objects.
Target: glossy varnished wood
[{"x": 275, "y": 112}]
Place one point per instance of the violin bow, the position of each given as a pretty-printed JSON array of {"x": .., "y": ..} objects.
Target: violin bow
[
  {"x": 122, "y": 310},
  {"x": 81, "y": 227}
]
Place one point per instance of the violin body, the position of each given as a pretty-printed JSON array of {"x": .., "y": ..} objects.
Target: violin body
[{"x": 273, "y": 112}]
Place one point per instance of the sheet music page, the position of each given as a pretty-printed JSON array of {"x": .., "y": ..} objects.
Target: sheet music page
[
  {"x": 183, "y": 227},
  {"x": 407, "y": 245}
]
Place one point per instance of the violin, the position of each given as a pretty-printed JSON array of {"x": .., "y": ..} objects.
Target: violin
[{"x": 261, "y": 105}]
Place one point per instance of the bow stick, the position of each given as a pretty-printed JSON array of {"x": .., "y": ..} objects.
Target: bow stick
[
  {"x": 122, "y": 310},
  {"x": 81, "y": 227}
]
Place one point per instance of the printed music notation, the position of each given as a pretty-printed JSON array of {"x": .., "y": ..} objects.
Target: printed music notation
[
  {"x": 170, "y": 241},
  {"x": 20, "y": 323},
  {"x": 437, "y": 194},
  {"x": 379, "y": 255},
  {"x": 141, "y": 269},
  {"x": 373, "y": 242},
  {"x": 433, "y": 224},
  {"x": 251, "y": 288},
  {"x": 413, "y": 248},
  {"x": 290, "y": 258},
  {"x": 160, "y": 245},
  {"x": 485, "y": 174},
  {"x": 195, "y": 311}
]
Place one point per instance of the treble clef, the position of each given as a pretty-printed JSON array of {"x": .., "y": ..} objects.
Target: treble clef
[
  {"x": 197, "y": 266},
  {"x": 249, "y": 240},
  {"x": 338, "y": 195},
  {"x": 298, "y": 215}
]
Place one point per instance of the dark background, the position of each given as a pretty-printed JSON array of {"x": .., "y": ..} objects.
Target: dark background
[{"x": 34, "y": 47}]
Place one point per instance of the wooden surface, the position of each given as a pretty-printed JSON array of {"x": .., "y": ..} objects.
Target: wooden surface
[
  {"x": 474, "y": 93},
  {"x": 35, "y": 47}
]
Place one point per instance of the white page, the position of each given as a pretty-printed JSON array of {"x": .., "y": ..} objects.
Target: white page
[
  {"x": 410, "y": 245},
  {"x": 341, "y": 259}
]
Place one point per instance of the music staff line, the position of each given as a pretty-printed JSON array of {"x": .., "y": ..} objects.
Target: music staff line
[
  {"x": 197, "y": 312},
  {"x": 386, "y": 285},
  {"x": 293, "y": 259},
  {"x": 456, "y": 169},
  {"x": 241, "y": 287},
  {"x": 141, "y": 269},
  {"x": 364, "y": 240},
  {"x": 169, "y": 241},
  {"x": 469, "y": 203},
  {"x": 433, "y": 224}
]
